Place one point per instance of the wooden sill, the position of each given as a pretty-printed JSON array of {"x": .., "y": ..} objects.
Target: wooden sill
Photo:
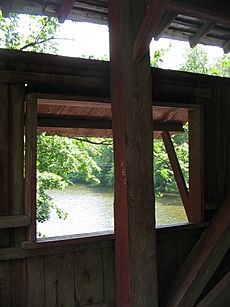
[{"x": 69, "y": 240}]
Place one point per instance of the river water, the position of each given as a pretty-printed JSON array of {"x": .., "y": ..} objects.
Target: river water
[{"x": 90, "y": 209}]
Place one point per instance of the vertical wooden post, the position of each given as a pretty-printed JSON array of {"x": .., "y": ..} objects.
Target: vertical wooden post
[
  {"x": 135, "y": 249},
  {"x": 4, "y": 185},
  {"x": 195, "y": 166},
  {"x": 16, "y": 146},
  {"x": 30, "y": 165}
]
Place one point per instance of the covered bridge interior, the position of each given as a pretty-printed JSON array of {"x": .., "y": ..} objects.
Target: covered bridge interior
[{"x": 137, "y": 264}]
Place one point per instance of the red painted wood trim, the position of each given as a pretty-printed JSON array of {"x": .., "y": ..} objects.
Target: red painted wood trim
[
  {"x": 176, "y": 170},
  {"x": 65, "y": 9},
  {"x": 123, "y": 288},
  {"x": 196, "y": 209}
]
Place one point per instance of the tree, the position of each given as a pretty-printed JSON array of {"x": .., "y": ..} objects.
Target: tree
[
  {"x": 158, "y": 56},
  {"x": 164, "y": 181},
  {"x": 196, "y": 61},
  {"x": 222, "y": 67},
  {"x": 41, "y": 36}
]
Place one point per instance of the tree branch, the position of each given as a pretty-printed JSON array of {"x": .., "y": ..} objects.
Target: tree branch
[{"x": 95, "y": 143}]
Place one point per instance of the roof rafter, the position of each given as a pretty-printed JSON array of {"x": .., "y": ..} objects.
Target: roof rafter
[
  {"x": 210, "y": 10},
  {"x": 149, "y": 25},
  {"x": 65, "y": 9},
  {"x": 227, "y": 46},
  {"x": 158, "y": 18},
  {"x": 6, "y": 6},
  {"x": 201, "y": 32},
  {"x": 167, "y": 19}
]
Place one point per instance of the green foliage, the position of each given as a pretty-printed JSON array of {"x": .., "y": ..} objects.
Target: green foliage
[
  {"x": 62, "y": 160},
  {"x": 158, "y": 56},
  {"x": 39, "y": 38},
  {"x": 67, "y": 158},
  {"x": 196, "y": 60},
  {"x": 222, "y": 67},
  {"x": 164, "y": 181},
  {"x": 45, "y": 204},
  {"x": 105, "y": 161}
]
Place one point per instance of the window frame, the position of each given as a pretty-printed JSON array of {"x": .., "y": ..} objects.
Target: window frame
[
  {"x": 31, "y": 124},
  {"x": 195, "y": 195}
]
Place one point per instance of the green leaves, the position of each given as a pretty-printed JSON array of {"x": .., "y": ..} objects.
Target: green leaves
[
  {"x": 39, "y": 37},
  {"x": 197, "y": 61},
  {"x": 164, "y": 181},
  {"x": 62, "y": 160}
]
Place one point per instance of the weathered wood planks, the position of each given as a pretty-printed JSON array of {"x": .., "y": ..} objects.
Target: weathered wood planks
[
  {"x": 30, "y": 163},
  {"x": 4, "y": 149},
  {"x": 16, "y": 148},
  {"x": 203, "y": 260}
]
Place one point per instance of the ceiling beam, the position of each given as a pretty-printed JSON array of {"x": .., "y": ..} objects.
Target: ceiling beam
[
  {"x": 6, "y": 7},
  {"x": 149, "y": 25},
  {"x": 201, "y": 32},
  {"x": 218, "y": 11},
  {"x": 227, "y": 47},
  {"x": 166, "y": 21},
  {"x": 58, "y": 122},
  {"x": 65, "y": 9}
]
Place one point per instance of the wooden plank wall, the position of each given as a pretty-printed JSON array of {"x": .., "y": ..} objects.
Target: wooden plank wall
[
  {"x": 76, "y": 278},
  {"x": 84, "y": 275},
  {"x": 35, "y": 278}
]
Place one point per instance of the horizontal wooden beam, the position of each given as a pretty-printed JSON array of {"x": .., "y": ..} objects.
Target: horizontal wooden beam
[
  {"x": 219, "y": 295},
  {"x": 65, "y": 9},
  {"x": 39, "y": 78},
  {"x": 168, "y": 126},
  {"x": 58, "y": 122},
  {"x": 21, "y": 253},
  {"x": 74, "y": 123},
  {"x": 176, "y": 170},
  {"x": 13, "y": 221},
  {"x": 150, "y": 23},
  {"x": 201, "y": 32},
  {"x": 203, "y": 260}
]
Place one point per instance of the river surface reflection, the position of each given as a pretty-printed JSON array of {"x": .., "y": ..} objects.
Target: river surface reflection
[{"x": 90, "y": 209}]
